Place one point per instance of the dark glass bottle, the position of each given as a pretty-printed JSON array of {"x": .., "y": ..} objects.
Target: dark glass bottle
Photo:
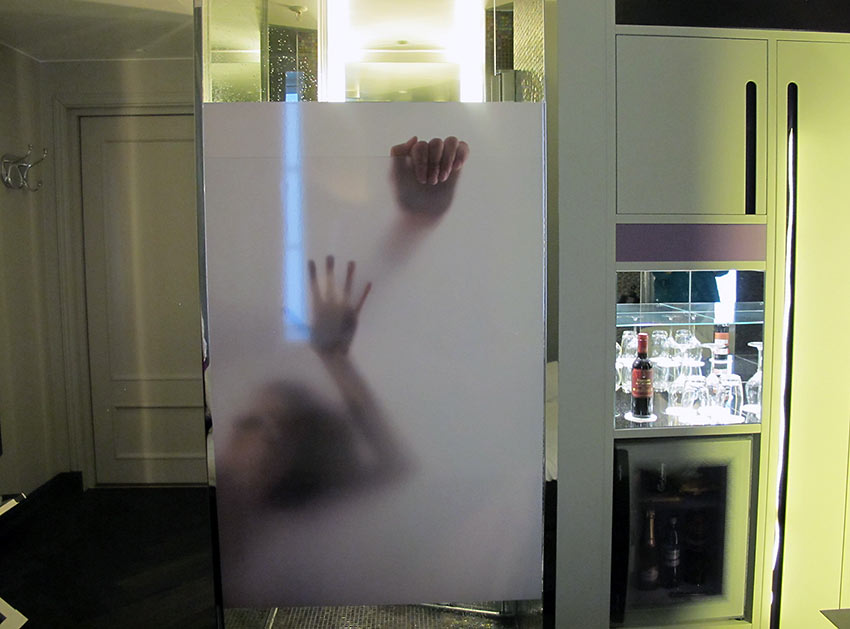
[
  {"x": 648, "y": 573},
  {"x": 672, "y": 550},
  {"x": 696, "y": 549},
  {"x": 642, "y": 380}
]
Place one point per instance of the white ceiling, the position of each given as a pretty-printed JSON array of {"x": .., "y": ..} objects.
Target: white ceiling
[
  {"x": 57, "y": 30},
  {"x": 60, "y": 30}
]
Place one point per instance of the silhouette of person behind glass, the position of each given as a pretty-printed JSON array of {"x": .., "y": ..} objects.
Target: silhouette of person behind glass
[{"x": 291, "y": 447}]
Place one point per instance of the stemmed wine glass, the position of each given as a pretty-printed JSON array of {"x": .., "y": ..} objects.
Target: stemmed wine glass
[{"x": 752, "y": 408}]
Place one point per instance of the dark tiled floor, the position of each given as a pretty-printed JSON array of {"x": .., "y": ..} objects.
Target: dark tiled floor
[
  {"x": 377, "y": 617},
  {"x": 128, "y": 558},
  {"x": 111, "y": 558}
]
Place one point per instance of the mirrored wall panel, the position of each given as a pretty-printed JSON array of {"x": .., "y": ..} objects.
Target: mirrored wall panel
[{"x": 373, "y": 51}]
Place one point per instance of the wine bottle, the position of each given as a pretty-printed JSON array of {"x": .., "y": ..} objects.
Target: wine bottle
[
  {"x": 696, "y": 550},
  {"x": 661, "y": 485},
  {"x": 672, "y": 551},
  {"x": 642, "y": 380},
  {"x": 721, "y": 339},
  {"x": 721, "y": 344},
  {"x": 648, "y": 555}
]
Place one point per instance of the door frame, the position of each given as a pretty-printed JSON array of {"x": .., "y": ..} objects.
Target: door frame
[{"x": 74, "y": 386}]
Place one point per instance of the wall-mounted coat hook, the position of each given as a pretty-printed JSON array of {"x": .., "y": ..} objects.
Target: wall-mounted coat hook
[{"x": 15, "y": 170}]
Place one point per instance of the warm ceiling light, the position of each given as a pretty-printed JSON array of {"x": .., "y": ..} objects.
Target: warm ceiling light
[
  {"x": 460, "y": 43},
  {"x": 297, "y": 10}
]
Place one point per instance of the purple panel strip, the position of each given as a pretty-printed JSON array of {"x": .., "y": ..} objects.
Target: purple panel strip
[{"x": 644, "y": 242}]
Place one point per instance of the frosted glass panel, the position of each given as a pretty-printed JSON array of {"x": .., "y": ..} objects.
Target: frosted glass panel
[{"x": 416, "y": 371}]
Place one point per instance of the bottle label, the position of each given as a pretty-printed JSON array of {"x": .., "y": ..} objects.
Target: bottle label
[
  {"x": 649, "y": 575},
  {"x": 641, "y": 382},
  {"x": 722, "y": 341},
  {"x": 671, "y": 557}
]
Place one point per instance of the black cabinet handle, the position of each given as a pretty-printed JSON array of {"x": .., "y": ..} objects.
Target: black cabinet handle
[{"x": 752, "y": 135}]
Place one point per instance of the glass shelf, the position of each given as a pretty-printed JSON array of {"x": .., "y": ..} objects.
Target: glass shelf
[
  {"x": 625, "y": 431},
  {"x": 689, "y": 314},
  {"x": 692, "y": 425}
]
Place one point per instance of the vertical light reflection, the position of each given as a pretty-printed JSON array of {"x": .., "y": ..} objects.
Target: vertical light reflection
[
  {"x": 337, "y": 48},
  {"x": 727, "y": 290},
  {"x": 468, "y": 48},
  {"x": 294, "y": 265}
]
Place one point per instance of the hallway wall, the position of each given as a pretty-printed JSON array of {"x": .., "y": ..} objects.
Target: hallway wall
[
  {"x": 25, "y": 408},
  {"x": 40, "y": 417}
]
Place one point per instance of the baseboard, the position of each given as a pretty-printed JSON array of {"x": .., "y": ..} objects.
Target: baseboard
[
  {"x": 10, "y": 618},
  {"x": 7, "y": 504}
]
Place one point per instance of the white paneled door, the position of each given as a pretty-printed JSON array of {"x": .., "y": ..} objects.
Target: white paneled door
[{"x": 142, "y": 293}]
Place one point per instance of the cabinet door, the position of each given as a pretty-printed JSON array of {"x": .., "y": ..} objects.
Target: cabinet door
[
  {"x": 691, "y": 118},
  {"x": 819, "y": 431}
]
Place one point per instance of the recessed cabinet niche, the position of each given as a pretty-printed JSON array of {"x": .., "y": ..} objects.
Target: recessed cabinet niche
[{"x": 691, "y": 125}]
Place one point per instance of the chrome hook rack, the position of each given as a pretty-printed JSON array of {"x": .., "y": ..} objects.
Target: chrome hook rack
[{"x": 15, "y": 170}]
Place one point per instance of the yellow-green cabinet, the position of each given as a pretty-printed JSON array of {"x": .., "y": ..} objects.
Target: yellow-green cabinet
[
  {"x": 691, "y": 125},
  {"x": 695, "y": 118},
  {"x": 813, "y": 120}
]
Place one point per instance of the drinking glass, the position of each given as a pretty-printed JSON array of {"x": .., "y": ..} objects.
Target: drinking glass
[
  {"x": 678, "y": 375},
  {"x": 719, "y": 366},
  {"x": 675, "y": 399},
  {"x": 628, "y": 353},
  {"x": 694, "y": 399},
  {"x": 692, "y": 345},
  {"x": 691, "y": 353},
  {"x": 725, "y": 407},
  {"x": 661, "y": 362},
  {"x": 617, "y": 376},
  {"x": 673, "y": 350},
  {"x": 731, "y": 397}
]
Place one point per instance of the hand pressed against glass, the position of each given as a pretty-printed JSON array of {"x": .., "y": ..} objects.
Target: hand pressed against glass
[
  {"x": 433, "y": 162},
  {"x": 334, "y": 317}
]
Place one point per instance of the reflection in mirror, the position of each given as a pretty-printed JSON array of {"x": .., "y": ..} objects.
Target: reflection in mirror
[
  {"x": 293, "y": 64},
  {"x": 415, "y": 50},
  {"x": 515, "y": 51},
  {"x": 499, "y": 58},
  {"x": 369, "y": 51},
  {"x": 293, "y": 52}
]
